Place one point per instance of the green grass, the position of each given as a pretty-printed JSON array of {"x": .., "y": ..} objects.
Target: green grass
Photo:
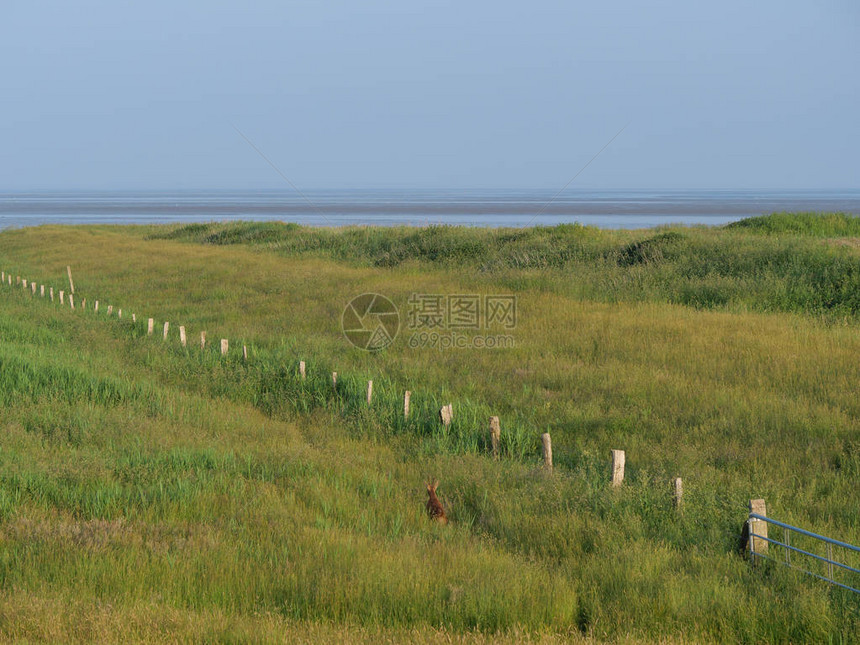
[
  {"x": 813, "y": 224},
  {"x": 790, "y": 269},
  {"x": 154, "y": 492}
]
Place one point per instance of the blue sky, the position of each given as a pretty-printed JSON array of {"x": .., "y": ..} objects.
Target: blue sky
[{"x": 121, "y": 95}]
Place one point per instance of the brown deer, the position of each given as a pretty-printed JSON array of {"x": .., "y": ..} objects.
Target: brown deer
[{"x": 434, "y": 506}]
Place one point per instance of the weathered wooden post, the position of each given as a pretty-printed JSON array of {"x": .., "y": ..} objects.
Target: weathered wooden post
[
  {"x": 62, "y": 294},
  {"x": 495, "y": 436},
  {"x": 52, "y": 294},
  {"x": 547, "y": 451},
  {"x": 757, "y": 528},
  {"x": 42, "y": 290},
  {"x": 96, "y": 307},
  {"x": 302, "y": 369},
  {"x": 119, "y": 313},
  {"x": 71, "y": 284},
  {"x": 109, "y": 310},
  {"x": 202, "y": 340},
  {"x": 446, "y": 414},
  {"x": 166, "y": 327},
  {"x": 406, "y": 396},
  {"x": 150, "y": 326},
  {"x": 244, "y": 353},
  {"x": 369, "y": 391},
  {"x": 72, "y": 300},
  {"x": 24, "y": 283},
  {"x": 33, "y": 288},
  {"x": 224, "y": 346},
  {"x": 678, "y": 494},
  {"x": 334, "y": 380},
  {"x": 84, "y": 304},
  {"x": 182, "y": 338},
  {"x": 134, "y": 318},
  {"x": 617, "y": 467}
]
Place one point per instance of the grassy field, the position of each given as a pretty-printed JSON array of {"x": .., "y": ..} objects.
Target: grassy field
[{"x": 160, "y": 493}]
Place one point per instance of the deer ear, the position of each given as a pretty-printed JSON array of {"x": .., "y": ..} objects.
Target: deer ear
[{"x": 435, "y": 484}]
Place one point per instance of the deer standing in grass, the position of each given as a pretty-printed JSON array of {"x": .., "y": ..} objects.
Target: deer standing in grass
[{"x": 434, "y": 506}]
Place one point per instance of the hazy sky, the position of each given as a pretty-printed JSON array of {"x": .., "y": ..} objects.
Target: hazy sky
[{"x": 116, "y": 95}]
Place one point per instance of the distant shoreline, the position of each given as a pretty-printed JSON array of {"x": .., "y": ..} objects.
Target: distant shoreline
[{"x": 492, "y": 209}]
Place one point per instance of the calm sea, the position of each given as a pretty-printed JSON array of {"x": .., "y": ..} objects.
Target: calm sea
[{"x": 417, "y": 208}]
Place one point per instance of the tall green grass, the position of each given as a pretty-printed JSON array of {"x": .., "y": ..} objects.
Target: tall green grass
[
  {"x": 813, "y": 224},
  {"x": 153, "y": 491},
  {"x": 730, "y": 268}
]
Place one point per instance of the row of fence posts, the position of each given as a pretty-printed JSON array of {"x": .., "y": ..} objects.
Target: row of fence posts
[
  {"x": 757, "y": 538},
  {"x": 30, "y": 285},
  {"x": 183, "y": 338},
  {"x": 446, "y": 412},
  {"x": 446, "y": 416}
]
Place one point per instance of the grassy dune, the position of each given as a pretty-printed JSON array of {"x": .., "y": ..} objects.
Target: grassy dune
[{"x": 154, "y": 492}]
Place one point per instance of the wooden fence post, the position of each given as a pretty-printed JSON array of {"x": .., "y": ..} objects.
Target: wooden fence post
[
  {"x": 62, "y": 294},
  {"x": 617, "y": 467},
  {"x": 166, "y": 327},
  {"x": 24, "y": 283},
  {"x": 495, "y": 436},
  {"x": 547, "y": 451},
  {"x": 84, "y": 304},
  {"x": 183, "y": 340},
  {"x": 202, "y": 340},
  {"x": 42, "y": 290},
  {"x": 52, "y": 294},
  {"x": 369, "y": 391},
  {"x": 446, "y": 414},
  {"x": 109, "y": 310},
  {"x": 71, "y": 284},
  {"x": 72, "y": 300},
  {"x": 134, "y": 318},
  {"x": 96, "y": 308},
  {"x": 756, "y": 527},
  {"x": 119, "y": 313},
  {"x": 334, "y": 380},
  {"x": 678, "y": 496},
  {"x": 33, "y": 288},
  {"x": 150, "y": 327},
  {"x": 225, "y": 345},
  {"x": 245, "y": 353},
  {"x": 406, "y": 396},
  {"x": 302, "y": 369}
]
